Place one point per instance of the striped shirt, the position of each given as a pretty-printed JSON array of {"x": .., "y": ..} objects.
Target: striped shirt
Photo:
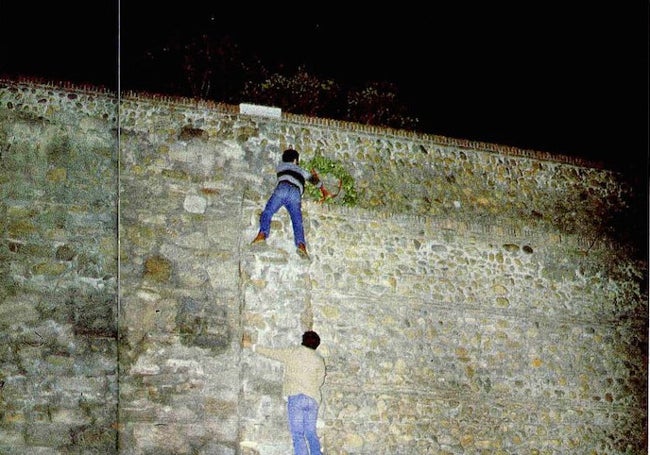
[{"x": 294, "y": 174}]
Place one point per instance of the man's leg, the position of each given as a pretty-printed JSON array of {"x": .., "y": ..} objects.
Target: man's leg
[
  {"x": 272, "y": 206},
  {"x": 311, "y": 416},
  {"x": 297, "y": 425},
  {"x": 294, "y": 206}
]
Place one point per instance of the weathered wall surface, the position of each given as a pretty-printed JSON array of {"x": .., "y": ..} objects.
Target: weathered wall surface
[
  {"x": 58, "y": 269},
  {"x": 472, "y": 299}
]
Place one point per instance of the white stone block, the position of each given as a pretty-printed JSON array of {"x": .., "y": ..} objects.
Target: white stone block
[{"x": 263, "y": 111}]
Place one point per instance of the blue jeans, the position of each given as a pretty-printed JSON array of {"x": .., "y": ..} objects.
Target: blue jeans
[
  {"x": 303, "y": 413},
  {"x": 287, "y": 195}
]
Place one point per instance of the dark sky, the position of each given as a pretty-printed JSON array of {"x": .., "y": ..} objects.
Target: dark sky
[{"x": 561, "y": 77}]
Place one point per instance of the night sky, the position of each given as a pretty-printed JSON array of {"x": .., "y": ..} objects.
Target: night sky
[{"x": 547, "y": 76}]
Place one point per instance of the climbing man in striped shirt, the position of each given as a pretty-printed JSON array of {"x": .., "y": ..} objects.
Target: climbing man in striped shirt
[{"x": 288, "y": 193}]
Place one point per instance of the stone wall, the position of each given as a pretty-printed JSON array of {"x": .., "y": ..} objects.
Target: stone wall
[
  {"x": 471, "y": 298},
  {"x": 58, "y": 268}
]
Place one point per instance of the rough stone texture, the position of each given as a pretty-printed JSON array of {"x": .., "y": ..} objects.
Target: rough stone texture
[
  {"x": 474, "y": 300},
  {"x": 58, "y": 302}
]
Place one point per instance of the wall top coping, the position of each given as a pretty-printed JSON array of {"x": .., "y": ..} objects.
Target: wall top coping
[{"x": 147, "y": 97}]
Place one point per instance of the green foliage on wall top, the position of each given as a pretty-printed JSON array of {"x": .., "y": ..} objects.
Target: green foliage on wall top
[{"x": 332, "y": 174}]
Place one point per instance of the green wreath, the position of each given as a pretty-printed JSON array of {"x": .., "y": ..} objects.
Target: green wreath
[{"x": 326, "y": 166}]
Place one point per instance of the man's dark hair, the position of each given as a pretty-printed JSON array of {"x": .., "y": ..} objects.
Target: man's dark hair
[
  {"x": 289, "y": 155},
  {"x": 310, "y": 339}
]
